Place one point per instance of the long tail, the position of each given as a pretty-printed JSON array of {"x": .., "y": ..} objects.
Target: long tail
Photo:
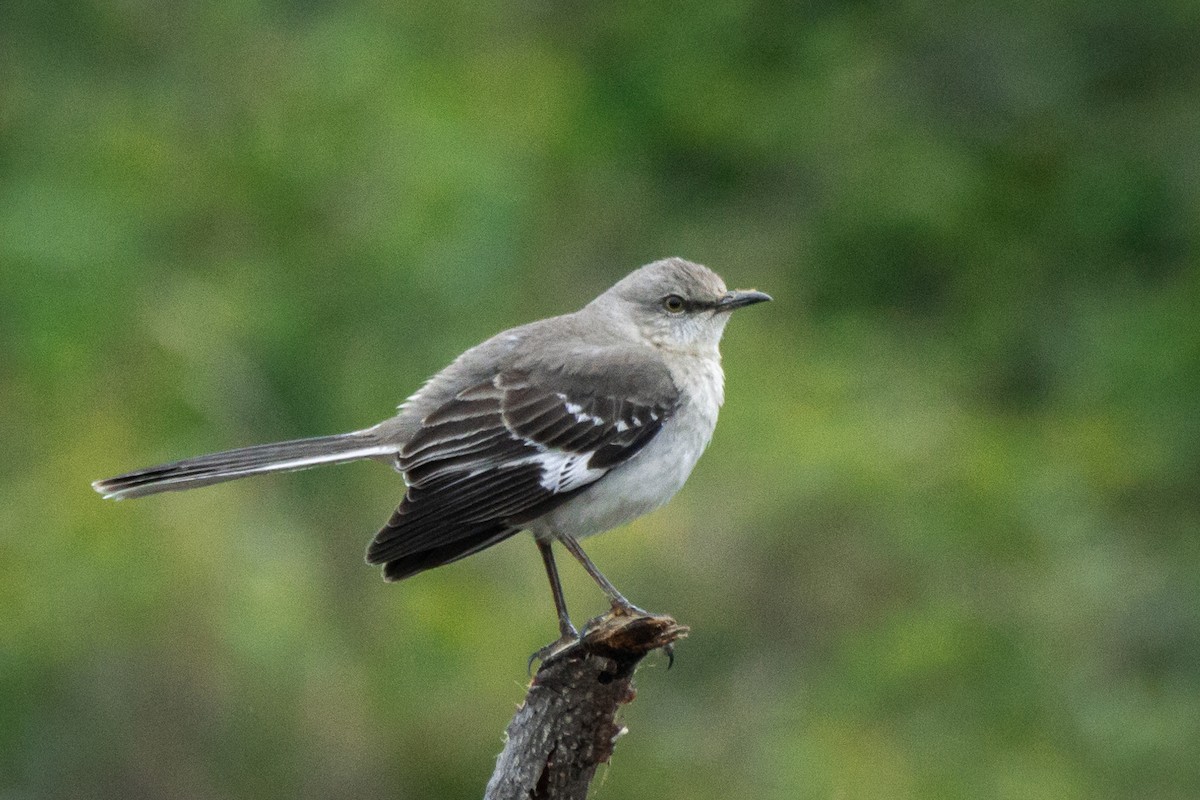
[{"x": 217, "y": 467}]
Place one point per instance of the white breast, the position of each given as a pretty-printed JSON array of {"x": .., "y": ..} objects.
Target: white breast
[{"x": 653, "y": 476}]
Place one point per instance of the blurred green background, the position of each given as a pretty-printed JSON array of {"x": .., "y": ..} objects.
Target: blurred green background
[{"x": 946, "y": 542}]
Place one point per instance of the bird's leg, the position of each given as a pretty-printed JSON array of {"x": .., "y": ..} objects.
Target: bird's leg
[
  {"x": 567, "y": 633},
  {"x": 619, "y": 604},
  {"x": 565, "y": 628}
]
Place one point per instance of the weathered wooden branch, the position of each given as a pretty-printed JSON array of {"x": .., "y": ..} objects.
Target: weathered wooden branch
[{"x": 567, "y": 725}]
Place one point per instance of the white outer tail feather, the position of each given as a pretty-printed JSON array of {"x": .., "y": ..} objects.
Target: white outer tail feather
[{"x": 229, "y": 465}]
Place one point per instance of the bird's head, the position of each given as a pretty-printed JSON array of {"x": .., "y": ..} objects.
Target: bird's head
[{"x": 677, "y": 305}]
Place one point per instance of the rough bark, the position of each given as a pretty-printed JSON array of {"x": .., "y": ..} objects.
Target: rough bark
[{"x": 567, "y": 725}]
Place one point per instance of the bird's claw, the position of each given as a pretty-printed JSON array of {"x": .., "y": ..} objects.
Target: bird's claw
[
  {"x": 552, "y": 650},
  {"x": 624, "y": 608}
]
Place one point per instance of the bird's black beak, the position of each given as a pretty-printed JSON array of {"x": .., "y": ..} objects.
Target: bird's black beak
[{"x": 740, "y": 298}]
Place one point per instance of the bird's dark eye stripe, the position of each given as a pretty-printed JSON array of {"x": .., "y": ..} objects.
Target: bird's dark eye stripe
[{"x": 678, "y": 304}]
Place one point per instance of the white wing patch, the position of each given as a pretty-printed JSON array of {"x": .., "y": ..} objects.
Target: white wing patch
[
  {"x": 576, "y": 410},
  {"x": 562, "y": 472}
]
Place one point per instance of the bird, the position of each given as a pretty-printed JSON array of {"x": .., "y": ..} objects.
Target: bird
[{"x": 565, "y": 427}]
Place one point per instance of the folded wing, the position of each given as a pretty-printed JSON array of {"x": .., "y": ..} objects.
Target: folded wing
[{"x": 498, "y": 455}]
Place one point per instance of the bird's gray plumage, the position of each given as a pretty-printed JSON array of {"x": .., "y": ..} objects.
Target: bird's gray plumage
[
  {"x": 502, "y": 453},
  {"x": 566, "y": 426}
]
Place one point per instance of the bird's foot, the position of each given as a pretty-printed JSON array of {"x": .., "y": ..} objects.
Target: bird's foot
[
  {"x": 554, "y": 649},
  {"x": 624, "y": 608},
  {"x": 669, "y": 649}
]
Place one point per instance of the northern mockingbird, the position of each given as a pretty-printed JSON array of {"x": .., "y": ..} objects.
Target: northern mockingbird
[{"x": 565, "y": 427}]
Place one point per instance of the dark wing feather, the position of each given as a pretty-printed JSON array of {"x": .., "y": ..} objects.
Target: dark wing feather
[{"x": 498, "y": 455}]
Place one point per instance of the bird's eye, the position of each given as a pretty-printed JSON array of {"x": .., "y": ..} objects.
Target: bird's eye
[{"x": 674, "y": 304}]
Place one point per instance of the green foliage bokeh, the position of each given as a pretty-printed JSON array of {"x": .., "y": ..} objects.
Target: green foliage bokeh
[{"x": 946, "y": 542}]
